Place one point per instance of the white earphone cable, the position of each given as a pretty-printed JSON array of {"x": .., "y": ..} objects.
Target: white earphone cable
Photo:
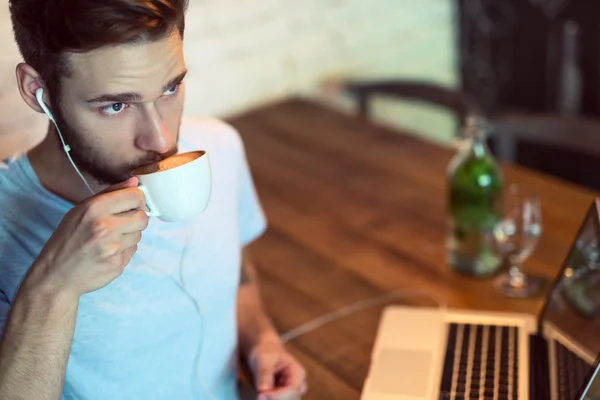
[
  {"x": 183, "y": 287},
  {"x": 67, "y": 150},
  {"x": 360, "y": 306},
  {"x": 39, "y": 95}
]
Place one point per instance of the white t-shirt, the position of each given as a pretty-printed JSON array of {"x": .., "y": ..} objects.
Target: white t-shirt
[{"x": 138, "y": 337}]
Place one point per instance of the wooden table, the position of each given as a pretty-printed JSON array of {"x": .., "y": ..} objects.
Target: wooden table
[{"x": 357, "y": 210}]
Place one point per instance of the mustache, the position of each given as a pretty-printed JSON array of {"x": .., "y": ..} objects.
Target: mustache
[
  {"x": 169, "y": 153},
  {"x": 154, "y": 157}
]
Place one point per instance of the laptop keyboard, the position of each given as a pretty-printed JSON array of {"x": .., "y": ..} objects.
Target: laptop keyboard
[
  {"x": 481, "y": 363},
  {"x": 572, "y": 371}
]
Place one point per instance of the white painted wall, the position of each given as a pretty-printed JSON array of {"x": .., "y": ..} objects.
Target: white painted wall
[
  {"x": 243, "y": 53},
  {"x": 20, "y": 127}
]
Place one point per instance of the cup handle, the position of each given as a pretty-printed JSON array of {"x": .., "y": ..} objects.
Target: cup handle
[{"x": 152, "y": 211}]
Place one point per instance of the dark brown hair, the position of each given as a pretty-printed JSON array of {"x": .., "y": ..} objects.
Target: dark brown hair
[{"x": 47, "y": 29}]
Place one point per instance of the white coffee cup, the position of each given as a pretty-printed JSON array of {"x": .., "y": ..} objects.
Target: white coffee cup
[{"x": 178, "y": 187}]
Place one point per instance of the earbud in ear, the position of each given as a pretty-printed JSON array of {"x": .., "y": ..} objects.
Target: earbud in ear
[{"x": 39, "y": 95}]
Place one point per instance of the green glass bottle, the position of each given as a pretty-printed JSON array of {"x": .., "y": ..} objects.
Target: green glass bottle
[{"x": 474, "y": 203}]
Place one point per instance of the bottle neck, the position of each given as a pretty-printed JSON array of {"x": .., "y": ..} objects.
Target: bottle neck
[
  {"x": 479, "y": 147},
  {"x": 475, "y": 132}
]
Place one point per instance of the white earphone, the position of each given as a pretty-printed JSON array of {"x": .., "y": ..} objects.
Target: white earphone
[{"x": 39, "y": 95}]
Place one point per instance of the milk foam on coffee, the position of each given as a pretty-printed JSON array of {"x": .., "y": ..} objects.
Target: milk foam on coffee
[{"x": 168, "y": 163}]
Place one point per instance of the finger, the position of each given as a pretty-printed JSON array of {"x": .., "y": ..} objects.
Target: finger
[
  {"x": 128, "y": 254},
  {"x": 281, "y": 392},
  {"x": 288, "y": 394},
  {"x": 131, "y": 182},
  {"x": 123, "y": 258},
  {"x": 293, "y": 380},
  {"x": 303, "y": 388},
  {"x": 120, "y": 201},
  {"x": 131, "y": 221},
  {"x": 265, "y": 374},
  {"x": 294, "y": 376},
  {"x": 130, "y": 239},
  {"x": 110, "y": 229},
  {"x": 117, "y": 245}
]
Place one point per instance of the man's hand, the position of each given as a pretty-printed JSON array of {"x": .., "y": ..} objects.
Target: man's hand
[
  {"x": 89, "y": 249},
  {"x": 93, "y": 243},
  {"x": 277, "y": 374}
]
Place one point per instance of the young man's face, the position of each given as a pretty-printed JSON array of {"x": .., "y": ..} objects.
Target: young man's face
[{"x": 121, "y": 107}]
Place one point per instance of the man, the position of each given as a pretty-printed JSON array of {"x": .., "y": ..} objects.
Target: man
[{"x": 90, "y": 309}]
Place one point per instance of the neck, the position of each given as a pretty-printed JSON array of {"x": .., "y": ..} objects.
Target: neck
[{"x": 55, "y": 172}]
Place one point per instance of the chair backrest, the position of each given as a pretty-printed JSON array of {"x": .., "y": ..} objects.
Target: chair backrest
[{"x": 461, "y": 104}]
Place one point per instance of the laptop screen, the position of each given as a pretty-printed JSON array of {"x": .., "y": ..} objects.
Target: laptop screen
[{"x": 571, "y": 318}]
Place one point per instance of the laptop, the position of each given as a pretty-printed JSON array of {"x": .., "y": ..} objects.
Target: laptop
[{"x": 425, "y": 354}]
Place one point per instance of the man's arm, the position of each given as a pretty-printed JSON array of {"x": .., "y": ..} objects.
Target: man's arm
[
  {"x": 35, "y": 345},
  {"x": 253, "y": 323},
  {"x": 89, "y": 249},
  {"x": 276, "y": 372}
]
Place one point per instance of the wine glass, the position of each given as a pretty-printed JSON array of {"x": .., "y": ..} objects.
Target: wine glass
[{"x": 516, "y": 236}]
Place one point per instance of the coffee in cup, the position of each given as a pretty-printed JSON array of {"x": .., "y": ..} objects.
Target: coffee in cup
[
  {"x": 174, "y": 161},
  {"x": 178, "y": 187}
]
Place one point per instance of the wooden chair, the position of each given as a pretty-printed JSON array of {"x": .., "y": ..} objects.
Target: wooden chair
[{"x": 460, "y": 104}]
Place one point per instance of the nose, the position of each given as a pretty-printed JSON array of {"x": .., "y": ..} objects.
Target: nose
[{"x": 153, "y": 134}]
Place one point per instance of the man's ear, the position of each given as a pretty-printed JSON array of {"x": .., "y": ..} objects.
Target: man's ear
[{"x": 29, "y": 81}]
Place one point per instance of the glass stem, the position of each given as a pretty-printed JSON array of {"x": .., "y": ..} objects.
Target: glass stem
[{"x": 517, "y": 278}]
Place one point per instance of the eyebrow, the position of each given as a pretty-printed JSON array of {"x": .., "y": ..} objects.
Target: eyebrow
[
  {"x": 129, "y": 97},
  {"x": 175, "y": 81}
]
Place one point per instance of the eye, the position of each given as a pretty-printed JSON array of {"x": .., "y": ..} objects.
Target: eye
[
  {"x": 114, "y": 109},
  {"x": 172, "y": 90}
]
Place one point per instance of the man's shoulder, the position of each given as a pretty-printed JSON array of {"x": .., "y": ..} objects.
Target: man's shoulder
[
  {"x": 19, "y": 192},
  {"x": 203, "y": 131},
  {"x": 8, "y": 164},
  {"x": 15, "y": 232},
  {"x": 11, "y": 175}
]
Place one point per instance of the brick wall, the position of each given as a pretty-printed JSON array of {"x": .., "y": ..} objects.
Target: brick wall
[
  {"x": 246, "y": 52},
  {"x": 243, "y": 53}
]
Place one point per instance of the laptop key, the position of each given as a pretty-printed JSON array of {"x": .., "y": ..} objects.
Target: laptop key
[
  {"x": 446, "y": 384},
  {"x": 503, "y": 388},
  {"x": 515, "y": 362},
  {"x": 489, "y": 365},
  {"x": 504, "y": 351},
  {"x": 465, "y": 347},
  {"x": 475, "y": 388},
  {"x": 478, "y": 330}
]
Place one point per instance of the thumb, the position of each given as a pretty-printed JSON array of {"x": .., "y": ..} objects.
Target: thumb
[
  {"x": 131, "y": 182},
  {"x": 264, "y": 373}
]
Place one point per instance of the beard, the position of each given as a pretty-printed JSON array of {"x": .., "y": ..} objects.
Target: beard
[{"x": 97, "y": 164}]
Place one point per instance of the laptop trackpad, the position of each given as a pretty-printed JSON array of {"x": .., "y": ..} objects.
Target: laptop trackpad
[{"x": 403, "y": 372}]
